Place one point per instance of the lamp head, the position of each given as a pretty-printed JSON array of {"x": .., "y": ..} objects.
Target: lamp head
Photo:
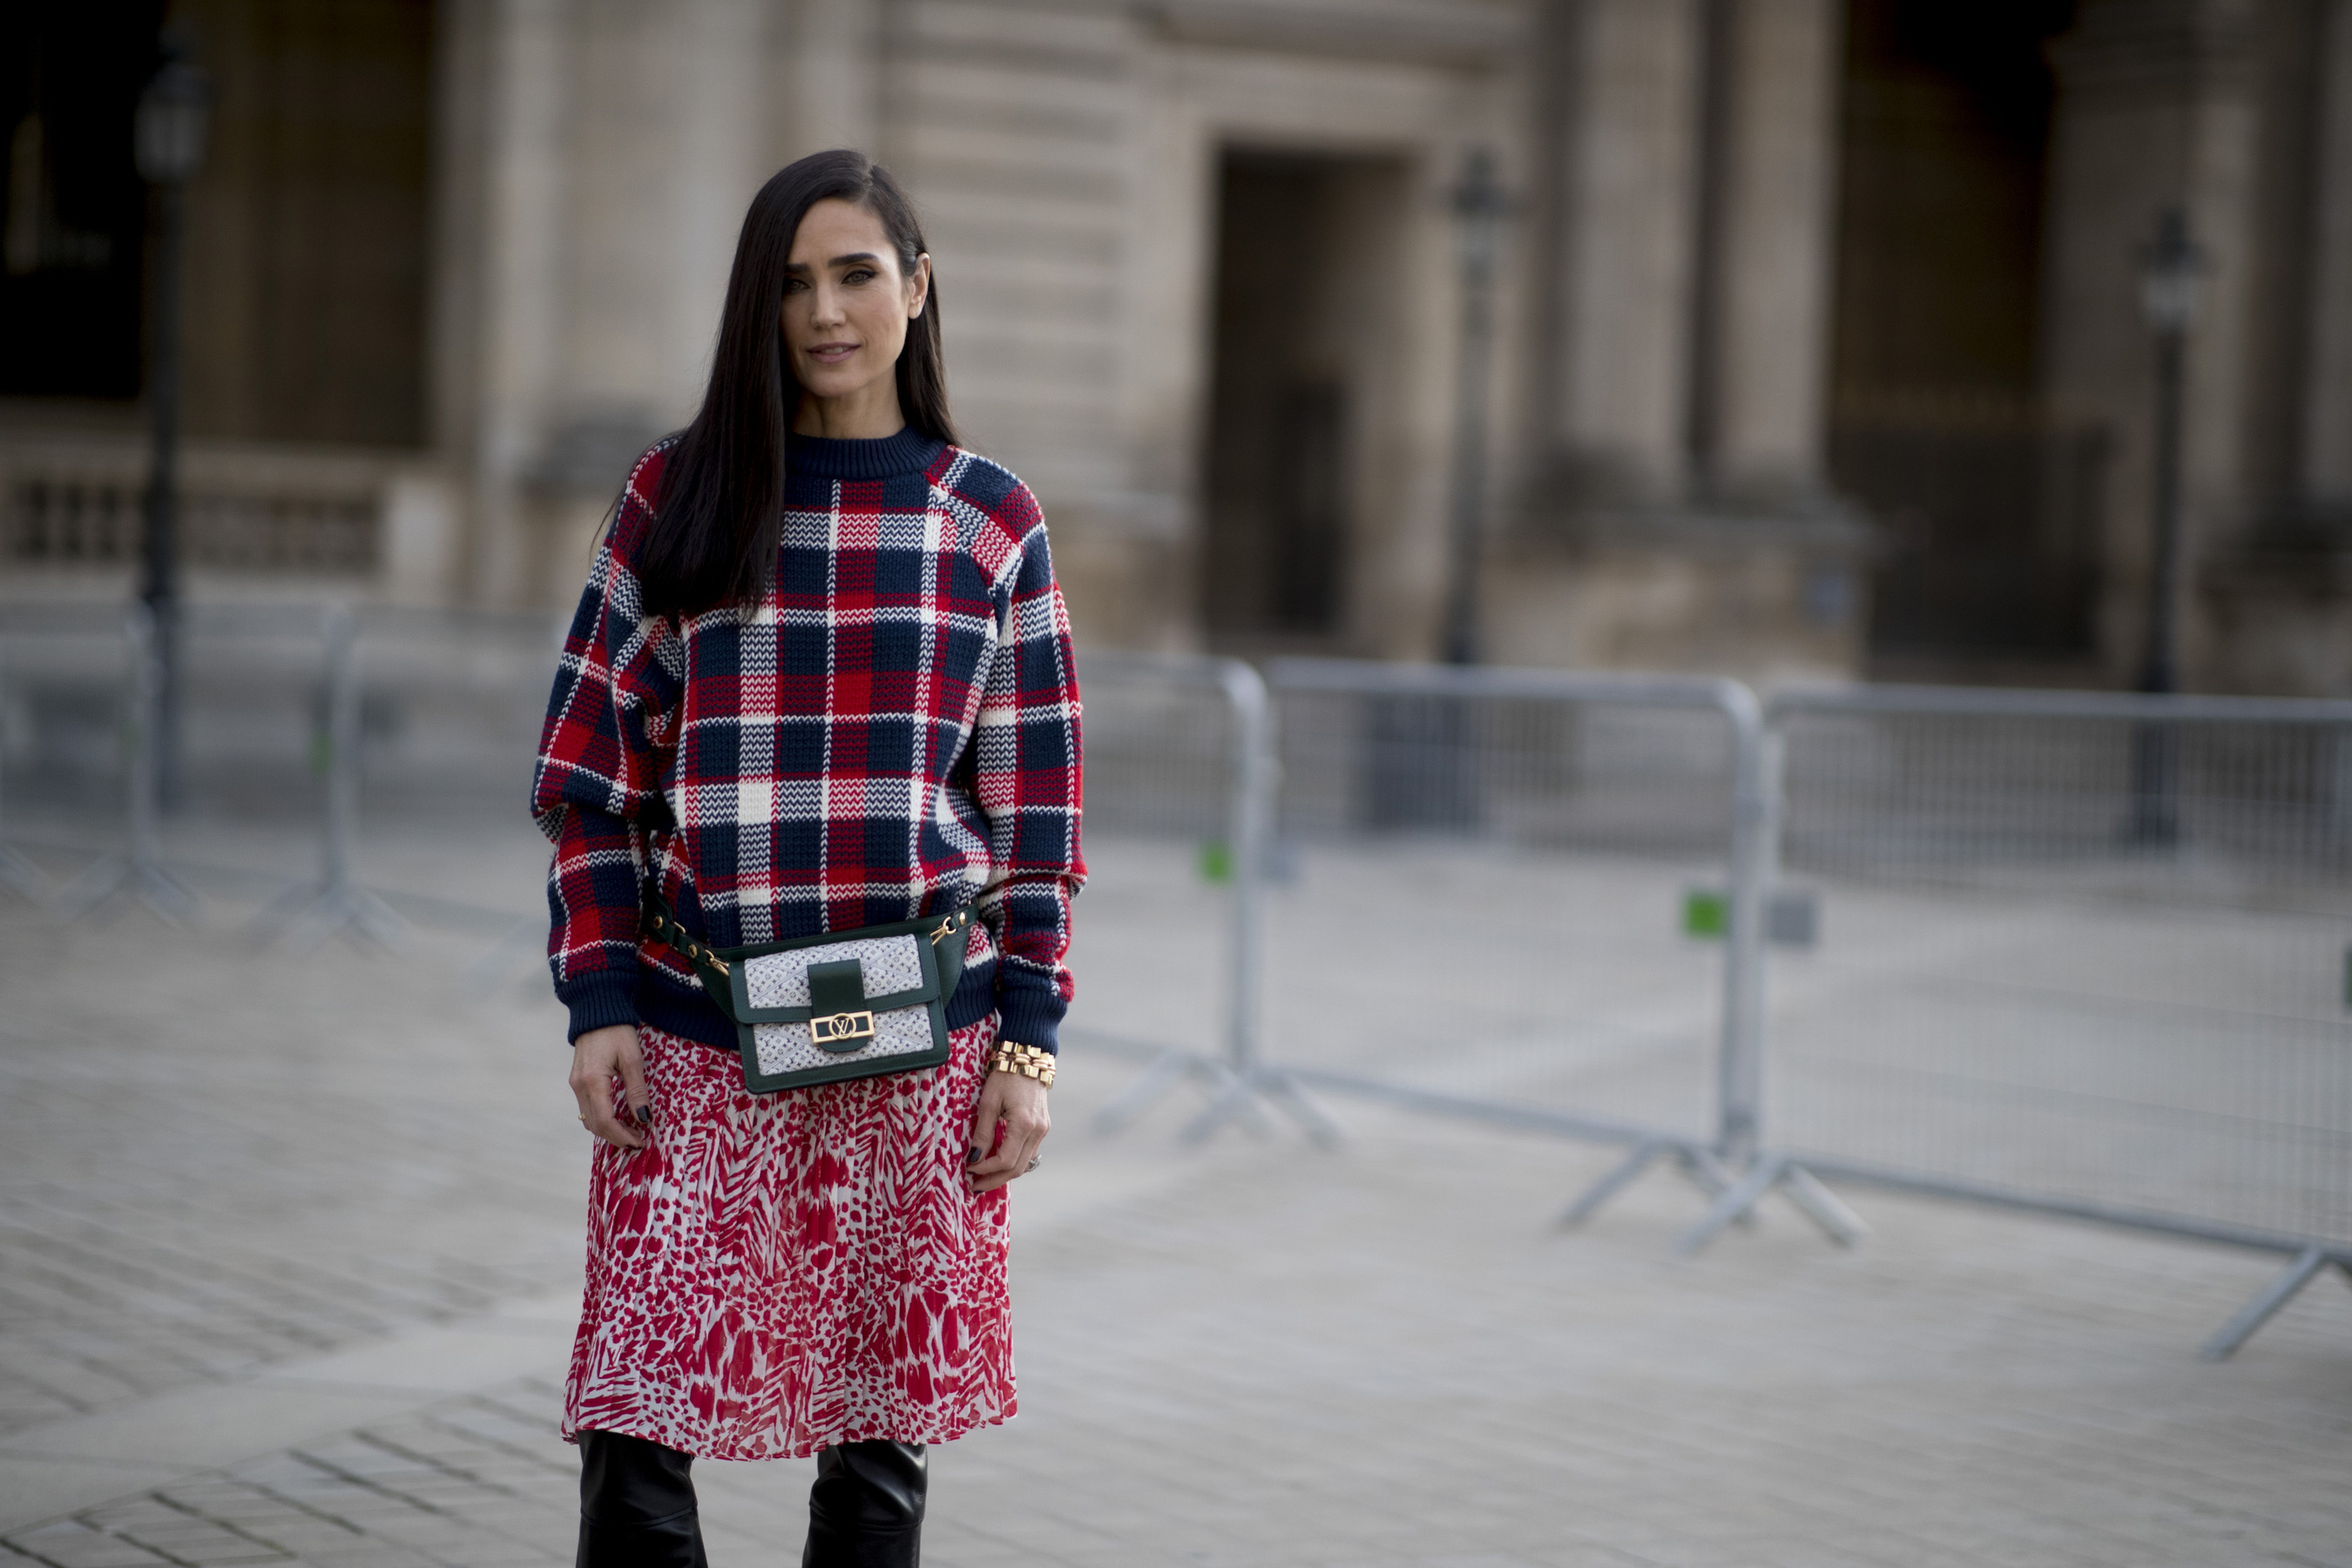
[
  {"x": 2171, "y": 275},
  {"x": 1480, "y": 207},
  {"x": 174, "y": 114}
]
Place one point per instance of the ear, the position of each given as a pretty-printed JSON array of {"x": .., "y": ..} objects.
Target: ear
[{"x": 918, "y": 286}]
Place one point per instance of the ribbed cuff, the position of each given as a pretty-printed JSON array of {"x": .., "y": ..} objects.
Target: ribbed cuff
[
  {"x": 600, "y": 1000},
  {"x": 1030, "y": 1019}
]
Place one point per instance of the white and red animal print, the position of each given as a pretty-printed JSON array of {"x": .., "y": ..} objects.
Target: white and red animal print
[{"x": 775, "y": 1274}]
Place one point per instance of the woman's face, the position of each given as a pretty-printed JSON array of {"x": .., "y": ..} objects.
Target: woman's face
[{"x": 847, "y": 301}]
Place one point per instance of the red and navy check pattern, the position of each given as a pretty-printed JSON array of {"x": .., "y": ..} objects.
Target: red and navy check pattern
[{"x": 891, "y": 730}]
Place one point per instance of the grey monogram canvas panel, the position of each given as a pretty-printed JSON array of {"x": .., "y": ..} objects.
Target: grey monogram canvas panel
[
  {"x": 892, "y": 964},
  {"x": 786, "y": 1048}
]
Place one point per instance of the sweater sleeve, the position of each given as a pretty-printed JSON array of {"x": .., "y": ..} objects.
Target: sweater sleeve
[
  {"x": 596, "y": 788},
  {"x": 1028, "y": 780}
]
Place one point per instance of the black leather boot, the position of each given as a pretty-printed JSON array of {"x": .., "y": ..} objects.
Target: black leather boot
[
  {"x": 867, "y": 1507},
  {"x": 637, "y": 1505}
]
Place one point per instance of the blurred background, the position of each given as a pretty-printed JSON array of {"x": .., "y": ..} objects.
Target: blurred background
[
  {"x": 1818, "y": 340},
  {"x": 1720, "y": 624}
]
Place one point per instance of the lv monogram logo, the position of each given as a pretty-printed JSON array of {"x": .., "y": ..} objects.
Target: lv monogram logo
[{"x": 839, "y": 1026}]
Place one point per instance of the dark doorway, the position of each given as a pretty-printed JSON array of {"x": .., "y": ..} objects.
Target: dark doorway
[
  {"x": 75, "y": 220},
  {"x": 1298, "y": 336},
  {"x": 306, "y": 240},
  {"x": 1987, "y": 501}
]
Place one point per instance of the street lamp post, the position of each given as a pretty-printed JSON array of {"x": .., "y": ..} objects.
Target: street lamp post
[
  {"x": 1425, "y": 770},
  {"x": 2171, "y": 285},
  {"x": 1480, "y": 207},
  {"x": 168, "y": 140}
]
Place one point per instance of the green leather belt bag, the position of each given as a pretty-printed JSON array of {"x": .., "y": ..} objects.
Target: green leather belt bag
[{"x": 848, "y": 1003}]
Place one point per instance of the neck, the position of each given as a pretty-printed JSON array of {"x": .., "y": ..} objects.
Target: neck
[{"x": 869, "y": 413}]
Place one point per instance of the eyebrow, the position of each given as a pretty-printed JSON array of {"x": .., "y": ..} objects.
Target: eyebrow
[{"x": 836, "y": 261}]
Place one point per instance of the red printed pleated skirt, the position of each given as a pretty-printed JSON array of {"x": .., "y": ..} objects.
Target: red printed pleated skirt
[{"x": 780, "y": 1272}]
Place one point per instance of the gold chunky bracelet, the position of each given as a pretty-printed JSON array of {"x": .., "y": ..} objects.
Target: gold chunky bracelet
[{"x": 1029, "y": 1061}]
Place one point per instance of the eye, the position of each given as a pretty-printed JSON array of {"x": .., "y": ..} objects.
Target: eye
[
  {"x": 796, "y": 285},
  {"x": 859, "y": 275}
]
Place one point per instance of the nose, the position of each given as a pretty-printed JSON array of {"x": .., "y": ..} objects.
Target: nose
[{"x": 828, "y": 312}]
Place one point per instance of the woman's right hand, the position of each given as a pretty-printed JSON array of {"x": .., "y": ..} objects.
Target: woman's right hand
[{"x": 598, "y": 1058}]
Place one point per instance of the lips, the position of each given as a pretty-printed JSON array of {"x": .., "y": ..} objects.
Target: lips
[{"x": 831, "y": 353}]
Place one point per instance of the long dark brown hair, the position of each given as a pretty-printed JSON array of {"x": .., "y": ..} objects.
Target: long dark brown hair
[{"x": 720, "y": 516}]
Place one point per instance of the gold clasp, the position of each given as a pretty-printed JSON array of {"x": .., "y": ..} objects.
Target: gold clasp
[{"x": 842, "y": 1027}]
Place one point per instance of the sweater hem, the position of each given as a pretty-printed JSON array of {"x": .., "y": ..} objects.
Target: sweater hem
[
  {"x": 598, "y": 1001},
  {"x": 1030, "y": 1019}
]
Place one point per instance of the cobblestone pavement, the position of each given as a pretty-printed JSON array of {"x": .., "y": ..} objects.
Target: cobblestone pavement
[
  {"x": 218, "y": 1158},
  {"x": 227, "y": 1174}
]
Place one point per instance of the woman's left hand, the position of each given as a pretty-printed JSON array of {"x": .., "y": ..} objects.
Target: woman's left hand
[{"x": 1016, "y": 1104}]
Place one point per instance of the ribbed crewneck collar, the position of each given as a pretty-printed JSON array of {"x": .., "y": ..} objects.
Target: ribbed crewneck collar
[{"x": 827, "y": 458}]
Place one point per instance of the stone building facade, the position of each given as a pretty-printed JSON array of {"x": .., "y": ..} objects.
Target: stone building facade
[{"x": 1817, "y": 347}]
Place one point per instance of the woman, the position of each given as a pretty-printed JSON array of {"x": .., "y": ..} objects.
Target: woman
[{"x": 821, "y": 679}]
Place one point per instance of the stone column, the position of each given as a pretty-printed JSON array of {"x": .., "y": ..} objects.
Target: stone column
[
  {"x": 1766, "y": 374},
  {"x": 668, "y": 143},
  {"x": 502, "y": 178},
  {"x": 597, "y": 164},
  {"x": 829, "y": 79},
  {"x": 2326, "y": 476},
  {"x": 1627, "y": 161}
]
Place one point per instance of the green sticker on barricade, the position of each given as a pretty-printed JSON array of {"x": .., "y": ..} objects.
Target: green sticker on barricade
[
  {"x": 1706, "y": 912},
  {"x": 1216, "y": 862}
]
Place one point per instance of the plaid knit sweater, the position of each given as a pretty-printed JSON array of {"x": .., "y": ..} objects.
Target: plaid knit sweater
[{"x": 892, "y": 730}]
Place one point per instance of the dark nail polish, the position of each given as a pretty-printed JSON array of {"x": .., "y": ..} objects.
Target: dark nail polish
[
  {"x": 645, "y": 1115},
  {"x": 972, "y": 1156}
]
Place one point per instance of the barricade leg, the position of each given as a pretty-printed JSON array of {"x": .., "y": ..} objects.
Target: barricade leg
[
  {"x": 2306, "y": 1267},
  {"x": 1236, "y": 1094},
  {"x": 1622, "y": 1174},
  {"x": 1283, "y": 1091},
  {"x": 523, "y": 943},
  {"x": 1816, "y": 1201},
  {"x": 1235, "y": 1100},
  {"x": 139, "y": 876},
  {"x": 1826, "y": 1209},
  {"x": 304, "y": 917},
  {"x": 1246, "y": 1095},
  {"x": 1162, "y": 1075}
]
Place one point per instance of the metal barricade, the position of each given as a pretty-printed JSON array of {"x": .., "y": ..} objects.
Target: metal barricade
[
  {"x": 1178, "y": 784},
  {"x": 1496, "y": 882},
  {"x": 67, "y": 689},
  {"x": 2077, "y": 954},
  {"x": 254, "y": 699},
  {"x": 87, "y": 681},
  {"x": 19, "y": 874},
  {"x": 452, "y": 702},
  {"x": 67, "y": 696},
  {"x": 289, "y": 714},
  {"x": 2085, "y": 954}
]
